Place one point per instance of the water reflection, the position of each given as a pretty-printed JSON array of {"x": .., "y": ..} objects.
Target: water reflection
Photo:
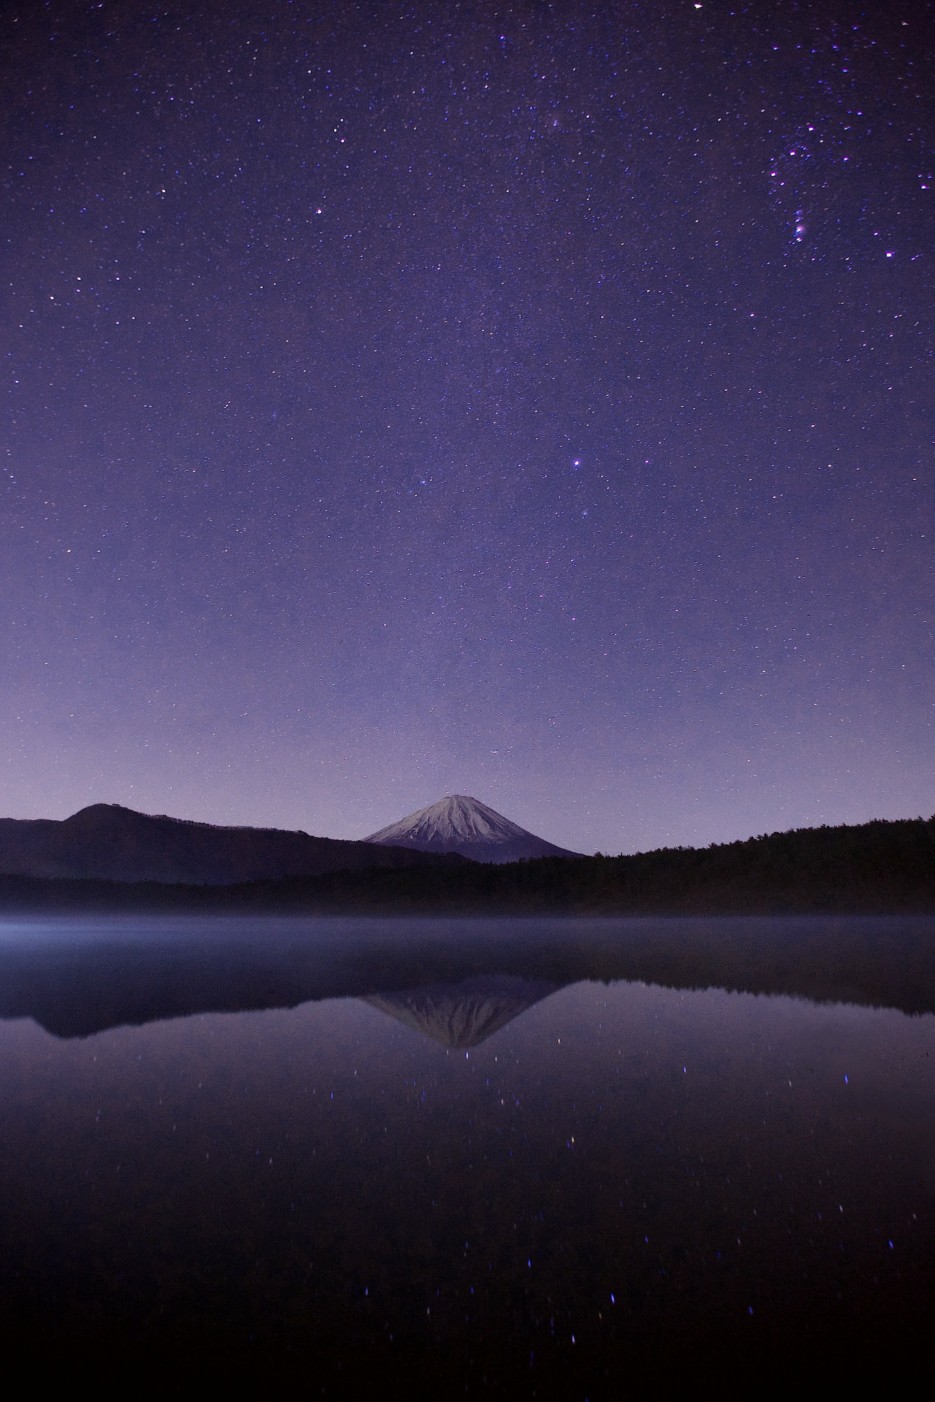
[
  {"x": 624, "y": 1185},
  {"x": 462, "y": 1014},
  {"x": 77, "y": 978}
]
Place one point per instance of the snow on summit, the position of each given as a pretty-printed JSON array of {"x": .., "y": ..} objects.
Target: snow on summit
[{"x": 462, "y": 824}]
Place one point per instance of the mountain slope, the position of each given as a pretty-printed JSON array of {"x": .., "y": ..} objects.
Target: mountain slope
[
  {"x": 467, "y": 826},
  {"x": 113, "y": 843}
]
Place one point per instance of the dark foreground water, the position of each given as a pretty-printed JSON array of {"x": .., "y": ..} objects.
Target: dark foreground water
[{"x": 490, "y": 1184}]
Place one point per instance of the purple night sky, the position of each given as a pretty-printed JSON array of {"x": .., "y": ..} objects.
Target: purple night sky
[{"x": 526, "y": 400}]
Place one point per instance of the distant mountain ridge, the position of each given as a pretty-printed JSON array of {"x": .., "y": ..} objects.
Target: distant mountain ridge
[
  {"x": 459, "y": 823},
  {"x": 108, "y": 842},
  {"x": 881, "y": 867}
]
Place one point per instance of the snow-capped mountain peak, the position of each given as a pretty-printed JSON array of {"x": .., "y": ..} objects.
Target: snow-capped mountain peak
[{"x": 459, "y": 823}]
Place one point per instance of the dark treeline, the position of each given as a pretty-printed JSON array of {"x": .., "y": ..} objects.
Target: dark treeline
[
  {"x": 879, "y": 867},
  {"x": 876, "y": 867}
]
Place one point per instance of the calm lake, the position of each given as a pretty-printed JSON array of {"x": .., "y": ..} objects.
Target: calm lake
[{"x": 466, "y": 1155}]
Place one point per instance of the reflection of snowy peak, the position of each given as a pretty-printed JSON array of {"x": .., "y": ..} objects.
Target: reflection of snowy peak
[
  {"x": 463, "y": 1014},
  {"x": 461, "y": 824}
]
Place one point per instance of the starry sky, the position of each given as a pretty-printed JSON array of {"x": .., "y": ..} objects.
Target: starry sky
[{"x": 526, "y": 400}]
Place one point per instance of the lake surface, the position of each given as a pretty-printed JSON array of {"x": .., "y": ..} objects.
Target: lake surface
[{"x": 479, "y": 1174}]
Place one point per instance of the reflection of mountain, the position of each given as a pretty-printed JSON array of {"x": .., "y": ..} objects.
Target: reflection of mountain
[
  {"x": 457, "y": 980},
  {"x": 463, "y": 1014}
]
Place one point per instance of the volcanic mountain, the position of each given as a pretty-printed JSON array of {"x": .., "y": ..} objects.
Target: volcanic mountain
[
  {"x": 465, "y": 825},
  {"x": 111, "y": 843}
]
